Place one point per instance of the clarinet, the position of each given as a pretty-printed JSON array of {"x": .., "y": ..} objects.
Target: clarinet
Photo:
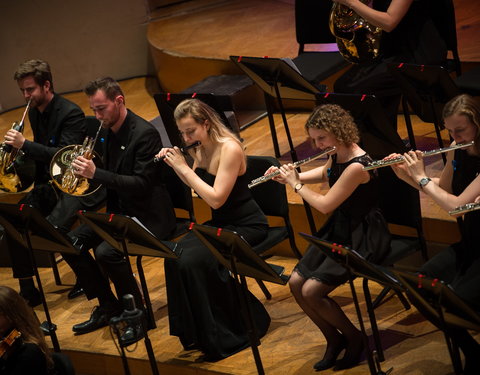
[
  {"x": 269, "y": 176},
  {"x": 182, "y": 149},
  {"x": 386, "y": 162}
]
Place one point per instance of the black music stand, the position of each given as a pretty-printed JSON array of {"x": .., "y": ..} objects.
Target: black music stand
[
  {"x": 235, "y": 254},
  {"x": 279, "y": 79},
  {"x": 128, "y": 236},
  {"x": 439, "y": 303},
  {"x": 131, "y": 237},
  {"x": 167, "y": 102},
  {"x": 426, "y": 88},
  {"x": 26, "y": 225},
  {"x": 359, "y": 266}
]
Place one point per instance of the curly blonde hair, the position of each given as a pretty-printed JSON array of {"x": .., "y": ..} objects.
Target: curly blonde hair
[{"x": 334, "y": 119}]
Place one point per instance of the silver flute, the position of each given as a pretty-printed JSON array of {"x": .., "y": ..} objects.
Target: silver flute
[
  {"x": 182, "y": 150},
  {"x": 398, "y": 160},
  {"x": 269, "y": 176},
  {"x": 465, "y": 208}
]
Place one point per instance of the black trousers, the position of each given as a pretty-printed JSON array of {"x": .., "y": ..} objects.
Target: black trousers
[
  {"x": 93, "y": 274},
  {"x": 59, "y": 209}
]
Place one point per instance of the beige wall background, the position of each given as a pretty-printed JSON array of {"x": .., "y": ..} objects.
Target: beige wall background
[{"x": 81, "y": 40}]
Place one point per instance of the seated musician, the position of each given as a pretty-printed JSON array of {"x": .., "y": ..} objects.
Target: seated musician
[
  {"x": 459, "y": 184},
  {"x": 408, "y": 35},
  {"x": 202, "y": 307},
  {"x": 134, "y": 188},
  {"x": 56, "y": 122},
  {"x": 23, "y": 349},
  {"x": 355, "y": 222}
]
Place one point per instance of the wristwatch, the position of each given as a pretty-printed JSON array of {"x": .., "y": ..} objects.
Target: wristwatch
[
  {"x": 424, "y": 181},
  {"x": 297, "y": 187}
]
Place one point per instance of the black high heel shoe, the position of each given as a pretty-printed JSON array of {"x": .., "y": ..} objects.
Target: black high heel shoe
[
  {"x": 327, "y": 363},
  {"x": 350, "y": 359}
]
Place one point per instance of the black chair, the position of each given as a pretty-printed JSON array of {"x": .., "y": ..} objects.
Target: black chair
[
  {"x": 62, "y": 364},
  {"x": 311, "y": 27},
  {"x": 469, "y": 82},
  {"x": 400, "y": 204},
  {"x": 272, "y": 199},
  {"x": 181, "y": 196}
]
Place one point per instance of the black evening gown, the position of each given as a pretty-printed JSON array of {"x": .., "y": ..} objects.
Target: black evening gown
[
  {"x": 357, "y": 223},
  {"x": 202, "y": 308}
]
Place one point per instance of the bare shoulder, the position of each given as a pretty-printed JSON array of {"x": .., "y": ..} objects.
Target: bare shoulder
[{"x": 232, "y": 148}]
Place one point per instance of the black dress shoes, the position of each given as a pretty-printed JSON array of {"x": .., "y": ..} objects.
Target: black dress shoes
[
  {"x": 329, "y": 362},
  {"x": 350, "y": 359},
  {"x": 98, "y": 319},
  {"x": 76, "y": 291}
]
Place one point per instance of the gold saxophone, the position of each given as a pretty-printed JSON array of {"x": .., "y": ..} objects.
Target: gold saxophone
[
  {"x": 358, "y": 41},
  {"x": 63, "y": 173},
  {"x": 10, "y": 180}
]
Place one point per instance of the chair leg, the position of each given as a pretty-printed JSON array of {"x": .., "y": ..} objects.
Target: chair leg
[
  {"x": 264, "y": 289},
  {"x": 56, "y": 274}
]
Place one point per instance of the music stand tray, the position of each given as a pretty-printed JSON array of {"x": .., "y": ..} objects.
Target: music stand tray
[
  {"x": 130, "y": 237},
  {"x": 443, "y": 307},
  {"x": 27, "y": 226},
  {"x": 236, "y": 255},
  {"x": 269, "y": 72}
]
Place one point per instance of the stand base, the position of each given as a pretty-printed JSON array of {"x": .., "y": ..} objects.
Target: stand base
[{"x": 48, "y": 328}]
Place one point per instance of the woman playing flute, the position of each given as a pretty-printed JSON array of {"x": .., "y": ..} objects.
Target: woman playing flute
[
  {"x": 202, "y": 307},
  {"x": 355, "y": 222},
  {"x": 459, "y": 184}
]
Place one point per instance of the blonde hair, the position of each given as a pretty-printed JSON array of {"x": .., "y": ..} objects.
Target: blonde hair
[
  {"x": 23, "y": 319},
  {"x": 202, "y": 112},
  {"x": 334, "y": 119},
  {"x": 469, "y": 107}
]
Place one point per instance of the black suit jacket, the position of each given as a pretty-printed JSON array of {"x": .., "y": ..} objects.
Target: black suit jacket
[
  {"x": 134, "y": 185},
  {"x": 61, "y": 124}
]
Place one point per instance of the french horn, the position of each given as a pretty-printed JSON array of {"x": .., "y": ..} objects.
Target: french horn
[
  {"x": 17, "y": 172},
  {"x": 63, "y": 174},
  {"x": 358, "y": 41}
]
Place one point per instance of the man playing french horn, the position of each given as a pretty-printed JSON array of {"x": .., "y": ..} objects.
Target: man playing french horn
[
  {"x": 134, "y": 188},
  {"x": 56, "y": 122}
]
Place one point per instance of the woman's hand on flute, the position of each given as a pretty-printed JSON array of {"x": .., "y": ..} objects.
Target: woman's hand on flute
[
  {"x": 289, "y": 174},
  {"x": 415, "y": 165}
]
